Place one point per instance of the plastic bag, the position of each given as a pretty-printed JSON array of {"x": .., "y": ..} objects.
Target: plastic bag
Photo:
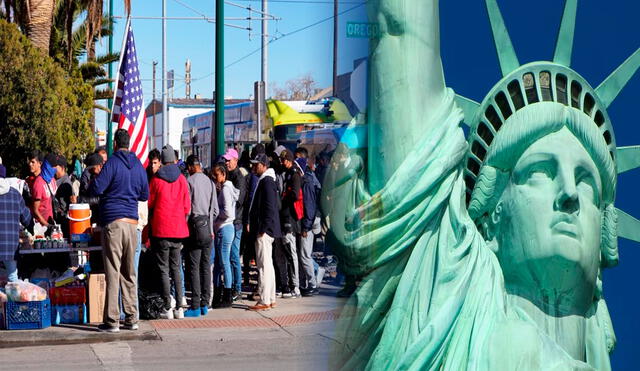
[
  {"x": 150, "y": 305},
  {"x": 25, "y": 291}
]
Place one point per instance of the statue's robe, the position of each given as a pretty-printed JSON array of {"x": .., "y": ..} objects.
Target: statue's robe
[{"x": 433, "y": 294}]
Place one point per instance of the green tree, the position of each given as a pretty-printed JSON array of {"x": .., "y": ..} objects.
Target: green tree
[{"x": 42, "y": 106}]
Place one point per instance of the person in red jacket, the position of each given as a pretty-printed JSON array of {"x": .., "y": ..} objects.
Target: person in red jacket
[{"x": 169, "y": 207}]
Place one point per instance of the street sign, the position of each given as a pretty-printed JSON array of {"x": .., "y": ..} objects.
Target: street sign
[{"x": 362, "y": 30}]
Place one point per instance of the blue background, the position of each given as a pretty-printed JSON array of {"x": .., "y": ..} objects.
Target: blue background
[{"x": 606, "y": 34}]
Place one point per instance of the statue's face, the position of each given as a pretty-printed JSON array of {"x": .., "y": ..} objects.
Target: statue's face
[{"x": 548, "y": 225}]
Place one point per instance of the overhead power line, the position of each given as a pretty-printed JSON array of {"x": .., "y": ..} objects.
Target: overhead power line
[{"x": 293, "y": 33}]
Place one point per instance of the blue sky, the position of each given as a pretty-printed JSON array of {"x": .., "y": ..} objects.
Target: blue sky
[
  {"x": 606, "y": 34},
  {"x": 292, "y": 55}
]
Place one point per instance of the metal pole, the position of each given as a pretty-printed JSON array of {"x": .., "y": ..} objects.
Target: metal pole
[
  {"x": 153, "y": 102},
  {"x": 264, "y": 71},
  {"x": 335, "y": 48},
  {"x": 219, "y": 144},
  {"x": 165, "y": 116},
  {"x": 110, "y": 102},
  {"x": 265, "y": 48}
]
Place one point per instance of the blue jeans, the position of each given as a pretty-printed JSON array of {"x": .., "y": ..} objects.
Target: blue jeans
[
  {"x": 12, "y": 269},
  {"x": 236, "y": 266},
  {"x": 224, "y": 238},
  {"x": 136, "y": 256}
]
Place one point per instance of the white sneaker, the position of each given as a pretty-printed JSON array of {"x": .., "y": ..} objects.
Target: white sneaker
[
  {"x": 184, "y": 302},
  {"x": 168, "y": 314},
  {"x": 178, "y": 313}
]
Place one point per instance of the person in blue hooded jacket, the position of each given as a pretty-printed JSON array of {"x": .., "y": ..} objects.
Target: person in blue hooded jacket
[
  {"x": 120, "y": 185},
  {"x": 310, "y": 199}
]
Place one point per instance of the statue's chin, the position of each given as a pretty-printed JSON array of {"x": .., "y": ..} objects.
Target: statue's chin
[{"x": 558, "y": 285}]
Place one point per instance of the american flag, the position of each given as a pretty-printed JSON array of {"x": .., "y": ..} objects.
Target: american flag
[{"x": 128, "y": 108}]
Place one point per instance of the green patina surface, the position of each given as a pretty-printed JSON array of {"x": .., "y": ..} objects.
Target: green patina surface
[{"x": 484, "y": 252}]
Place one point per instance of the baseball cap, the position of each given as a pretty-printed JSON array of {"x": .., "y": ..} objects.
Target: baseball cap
[
  {"x": 279, "y": 150},
  {"x": 230, "y": 154},
  {"x": 260, "y": 158},
  {"x": 286, "y": 155}
]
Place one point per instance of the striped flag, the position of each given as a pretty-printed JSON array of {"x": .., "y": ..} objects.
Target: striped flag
[{"x": 128, "y": 105}]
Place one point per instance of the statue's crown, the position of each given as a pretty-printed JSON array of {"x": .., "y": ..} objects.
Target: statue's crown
[{"x": 544, "y": 81}]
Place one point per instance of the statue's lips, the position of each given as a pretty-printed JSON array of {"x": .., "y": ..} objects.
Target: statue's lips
[{"x": 567, "y": 229}]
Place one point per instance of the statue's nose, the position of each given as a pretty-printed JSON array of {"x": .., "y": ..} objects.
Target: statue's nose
[{"x": 567, "y": 200}]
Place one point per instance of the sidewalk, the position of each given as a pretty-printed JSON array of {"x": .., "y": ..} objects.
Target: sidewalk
[{"x": 321, "y": 310}]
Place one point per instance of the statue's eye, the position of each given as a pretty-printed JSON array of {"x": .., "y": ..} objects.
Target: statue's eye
[{"x": 538, "y": 173}]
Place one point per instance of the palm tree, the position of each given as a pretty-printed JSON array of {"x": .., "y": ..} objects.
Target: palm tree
[
  {"x": 70, "y": 46},
  {"x": 39, "y": 15}
]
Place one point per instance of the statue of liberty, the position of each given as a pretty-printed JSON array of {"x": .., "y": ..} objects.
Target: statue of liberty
[{"x": 485, "y": 252}]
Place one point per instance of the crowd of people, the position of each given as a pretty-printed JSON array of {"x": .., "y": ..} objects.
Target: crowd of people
[{"x": 205, "y": 228}]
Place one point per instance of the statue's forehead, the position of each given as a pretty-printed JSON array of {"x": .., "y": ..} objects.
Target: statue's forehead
[{"x": 560, "y": 146}]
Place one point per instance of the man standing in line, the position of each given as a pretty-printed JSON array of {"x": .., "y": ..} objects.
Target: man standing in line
[
  {"x": 120, "y": 185},
  {"x": 64, "y": 194},
  {"x": 204, "y": 210},
  {"x": 264, "y": 223},
  {"x": 238, "y": 178},
  {"x": 43, "y": 189},
  {"x": 169, "y": 207},
  {"x": 290, "y": 221},
  {"x": 310, "y": 197},
  {"x": 13, "y": 212}
]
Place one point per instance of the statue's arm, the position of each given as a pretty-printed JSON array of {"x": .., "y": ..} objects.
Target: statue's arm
[{"x": 406, "y": 84}]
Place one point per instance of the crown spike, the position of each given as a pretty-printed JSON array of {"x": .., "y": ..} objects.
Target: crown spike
[
  {"x": 612, "y": 85},
  {"x": 506, "y": 53},
  {"x": 469, "y": 108},
  {"x": 564, "y": 44},
  {"x": 628, "y": 158},
  {"x": 628, "y": 226}
]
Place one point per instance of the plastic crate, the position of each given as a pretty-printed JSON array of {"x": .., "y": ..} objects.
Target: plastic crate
[
  {"x": 74, "y": 314},
  {"x": 28, "y": 315},
  {"x": 67, "y": 295}
]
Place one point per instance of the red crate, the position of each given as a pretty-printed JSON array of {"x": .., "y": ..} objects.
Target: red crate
[{"x": 67, "y": 295}]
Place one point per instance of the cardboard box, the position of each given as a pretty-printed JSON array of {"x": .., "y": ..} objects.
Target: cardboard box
[{"x": 96, "y": 291}]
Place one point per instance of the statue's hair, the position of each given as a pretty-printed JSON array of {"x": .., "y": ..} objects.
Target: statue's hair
[{"x": 519, "y": 132}]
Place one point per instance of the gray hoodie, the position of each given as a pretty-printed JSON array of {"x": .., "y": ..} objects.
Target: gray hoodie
[
  {"x": 227, "y": 199},
  {"x": 203, "y": 197}
]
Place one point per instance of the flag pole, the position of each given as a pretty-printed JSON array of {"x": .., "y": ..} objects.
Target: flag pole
[{"x": 115, "y": 91}]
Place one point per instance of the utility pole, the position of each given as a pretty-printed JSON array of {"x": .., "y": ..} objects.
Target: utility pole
[
  {"x": 335, "y": 48},
  {"x": 264, "y": 71},
  {"x": 165, "y": 116},
  {"x": 153, "y": 101},
  {"x": 219, "y": 147},
  {"x": 187, "y": 78},
  {"x": 110, "y": 101}
]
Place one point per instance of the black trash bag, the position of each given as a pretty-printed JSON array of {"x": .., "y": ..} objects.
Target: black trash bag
[{"x": 150, "y": 305}]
